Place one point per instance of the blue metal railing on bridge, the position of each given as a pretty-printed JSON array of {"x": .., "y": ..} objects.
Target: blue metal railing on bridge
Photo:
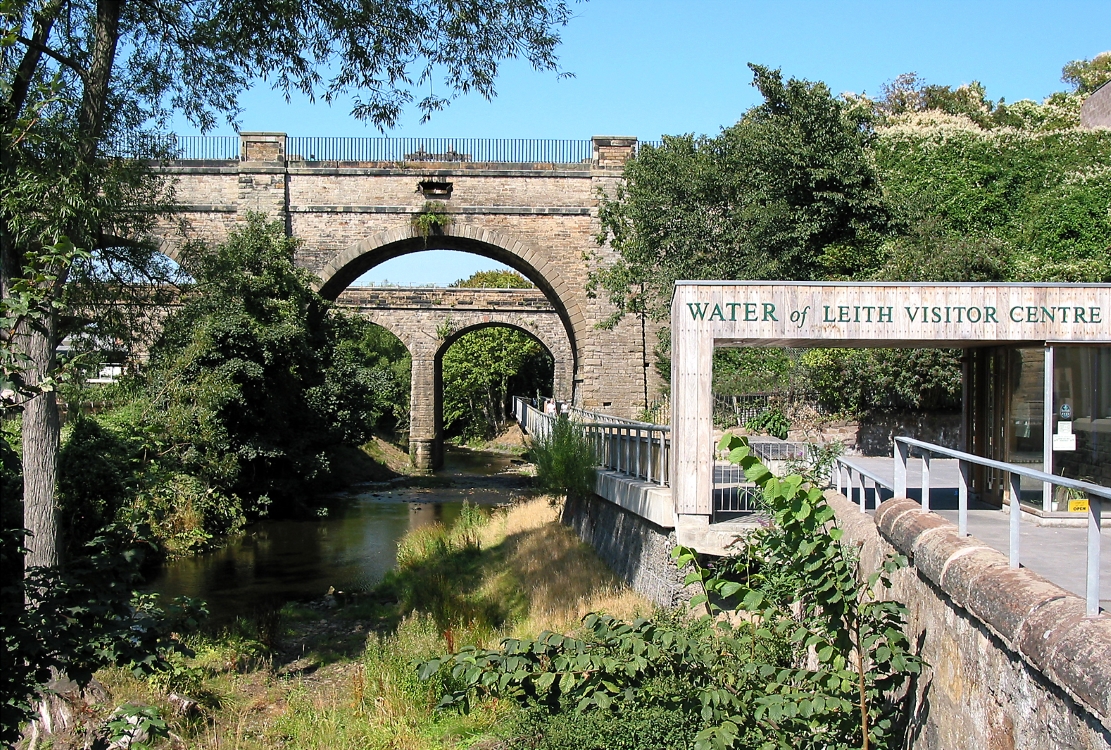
[
  {"x": 492, "y": 150},
  {"x": 390, "y": 150}
]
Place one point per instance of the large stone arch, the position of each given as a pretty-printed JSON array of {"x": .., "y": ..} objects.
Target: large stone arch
[{"x": 340, "y": 270}]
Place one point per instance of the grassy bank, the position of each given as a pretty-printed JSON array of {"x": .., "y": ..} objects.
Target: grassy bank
[{"x": 342, "y": 674}]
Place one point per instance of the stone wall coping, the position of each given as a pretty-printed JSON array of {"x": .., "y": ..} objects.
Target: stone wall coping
[{"x": 1036, "y": 619}]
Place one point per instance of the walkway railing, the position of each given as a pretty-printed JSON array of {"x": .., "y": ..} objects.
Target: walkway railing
[
  {"x": 511, "y": 150},
  {"x": 302, "y": 148},
  {"x": 636, "y": 449},
  {"x": 1095, "y": 493},
  {"x": 170, "y": 146}
]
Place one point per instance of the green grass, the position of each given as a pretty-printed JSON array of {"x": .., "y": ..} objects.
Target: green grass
[{"x": 346, "y": 677}]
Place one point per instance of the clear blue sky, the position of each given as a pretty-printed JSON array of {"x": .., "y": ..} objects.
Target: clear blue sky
[{"x": 651, "y": 67}]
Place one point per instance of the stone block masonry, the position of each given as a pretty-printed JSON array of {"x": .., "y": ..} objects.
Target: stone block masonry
[
  {"x": 540, "y": 219},
  {"x": 1013, "y": 663},
  {"x": 638, "y": 550}
]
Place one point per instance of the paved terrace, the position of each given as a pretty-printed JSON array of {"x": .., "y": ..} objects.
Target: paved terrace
[{"x": 1057, "y": 554}]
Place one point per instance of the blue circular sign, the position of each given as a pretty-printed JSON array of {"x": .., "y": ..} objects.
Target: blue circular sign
[{"x": 1066, "y": 412}]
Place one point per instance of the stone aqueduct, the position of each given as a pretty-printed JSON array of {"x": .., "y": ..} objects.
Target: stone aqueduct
[{"x": 539, "y": 218}]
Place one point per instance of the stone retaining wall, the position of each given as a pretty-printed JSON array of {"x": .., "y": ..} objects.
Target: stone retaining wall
[
  {"x": 638, "y": 550},
  {"x": 1013, "y": 662}
]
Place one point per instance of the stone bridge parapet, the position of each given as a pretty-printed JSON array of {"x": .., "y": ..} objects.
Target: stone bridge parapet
[
  {"x": 1012, "y": 659},
  {"x": 455, "y": 298}
]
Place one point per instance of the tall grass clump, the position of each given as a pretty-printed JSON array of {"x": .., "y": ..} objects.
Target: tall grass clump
[{"x": 565, "y": 459}]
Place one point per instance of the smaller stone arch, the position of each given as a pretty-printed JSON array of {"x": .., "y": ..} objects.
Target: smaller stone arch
[
  {"x": 435, "y": 449},
  {"x": 429, "y": 320}
]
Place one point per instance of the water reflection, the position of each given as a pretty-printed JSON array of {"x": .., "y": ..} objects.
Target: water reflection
[{"x": 280, "y": 561}]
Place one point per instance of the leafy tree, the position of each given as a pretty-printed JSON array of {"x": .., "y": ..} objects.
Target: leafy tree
[
  {"x": 497, "y": 279},
  {"x": 79, "y": 77},
  {"x": 249, "y": 389},
  {"x": 361, "y": 346},
  {"x": 482, "y": 369},
  {"x": 766, "y": 199},
  {"x": 1085, "y": 76}
]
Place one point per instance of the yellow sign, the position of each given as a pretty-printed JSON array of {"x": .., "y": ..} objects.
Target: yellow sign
[{"x": 1078, "y": 506}]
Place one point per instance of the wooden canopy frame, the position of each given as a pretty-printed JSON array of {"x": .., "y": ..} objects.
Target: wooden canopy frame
[{"x": 710, "y": 314}]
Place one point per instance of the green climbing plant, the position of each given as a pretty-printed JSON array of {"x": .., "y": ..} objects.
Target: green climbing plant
[
  {"x": 797, "y": 580},
  {"x": 792, "y": 650},
  {"x": 432, "y": 218}
]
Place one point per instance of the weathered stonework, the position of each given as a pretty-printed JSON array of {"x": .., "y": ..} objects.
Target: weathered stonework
[
  {"x": 1012, "y": 662},
  {"x": 636, "y": 549},
  {"x": 540, "y": 219},
  {"x": 429, "y": 320}
]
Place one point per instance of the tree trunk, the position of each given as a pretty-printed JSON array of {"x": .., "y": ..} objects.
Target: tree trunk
[{"x": 41, "y": 435}]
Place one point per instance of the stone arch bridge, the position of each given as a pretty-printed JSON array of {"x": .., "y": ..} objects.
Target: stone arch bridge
[
  {"x": 532, "y": 205},
  {"x": 429, "y": 320}
]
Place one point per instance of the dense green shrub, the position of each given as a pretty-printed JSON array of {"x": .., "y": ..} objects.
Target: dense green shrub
[
  {"x": 859, "y": 381},
  {"x": 771, "y": 422},
  {"x": 565, "y": 459},
  {"x": 81, "y": 619},
  {"x": 817, "y": 657},
  {"x": 627, "y": 727},
  {"x": 1023, "y": 203},
  {"x": 249, "y": 388},
  {"x": 94, "y": 480}
]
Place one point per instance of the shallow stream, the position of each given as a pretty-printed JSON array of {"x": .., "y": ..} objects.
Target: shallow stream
[{"x": 274, "y": 562}]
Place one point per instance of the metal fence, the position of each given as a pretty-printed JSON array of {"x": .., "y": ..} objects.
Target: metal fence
[
  {"x": 177, "y": 147},
  {"x": 511, "y": 150},
  {"x": 734, "y": 494},
  {"x": 850, "y": 475},
  {"x": 779, "y": 450},
  {"x": 642, "y": 450},
  {"x": 736, "y": 409},
  {"x": 636, "y": 449}
]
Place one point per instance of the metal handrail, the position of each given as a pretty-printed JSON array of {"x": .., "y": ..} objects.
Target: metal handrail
[
  {"x": 1075, "y": 484},
  {"x": 844, "y": 468},
  {"x": 470, "y": 150},
  {"x": 625, "y": 446},
  {"x": 1095, "y": 494}
]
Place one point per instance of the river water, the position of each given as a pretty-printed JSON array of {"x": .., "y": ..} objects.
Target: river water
[{"x": 274, "y": 562}]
